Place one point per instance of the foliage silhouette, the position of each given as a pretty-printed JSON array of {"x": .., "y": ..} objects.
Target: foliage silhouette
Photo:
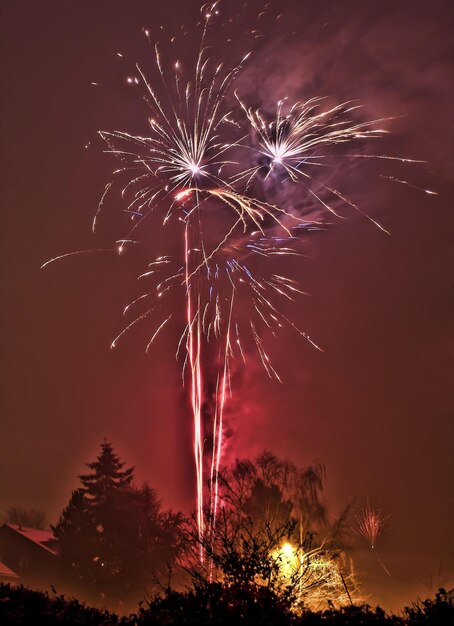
[
  {"x": 115, "y": 542},
  {"x": 271, "y": 536},
  {"x": 30, "y": 518},
  {"x": 213, "y": 606}
]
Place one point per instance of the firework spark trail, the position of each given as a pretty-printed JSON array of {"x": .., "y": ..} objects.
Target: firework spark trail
[
  {"x": 219, "y": 417},
  {"x": 380, "y": 562},
  {"x": 193, "y": 349},
  {"x": 430, "y": 192},
  {"x": 77, "y": 252}
]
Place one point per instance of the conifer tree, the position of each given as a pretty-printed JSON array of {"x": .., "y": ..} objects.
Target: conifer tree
[
  {"x": 114, "y": 540},
  {"x": 74, "y": 540},
  {"x": 107, "y": 474}
]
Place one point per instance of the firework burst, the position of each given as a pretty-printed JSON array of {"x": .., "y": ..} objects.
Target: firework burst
[
  {"x": 178, "y": 171},
  {"x": 370, "y": 524},
  {"x": 193, "y": 169}
]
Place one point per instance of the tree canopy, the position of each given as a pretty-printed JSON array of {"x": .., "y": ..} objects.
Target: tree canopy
[{"x": 271, "y": 536}]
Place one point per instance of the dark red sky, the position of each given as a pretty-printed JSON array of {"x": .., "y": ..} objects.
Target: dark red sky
[{"x": 376, "y": 406}]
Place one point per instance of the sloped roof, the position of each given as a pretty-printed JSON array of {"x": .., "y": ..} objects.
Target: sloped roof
[
  {"x": 6, "y": 572},
  {"x": 40, "y": 537}
]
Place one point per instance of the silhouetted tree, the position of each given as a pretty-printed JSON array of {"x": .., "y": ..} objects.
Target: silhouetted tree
[
  {"x": 106, "y": 475},
  {"x": 74, "y": 539},
  {"x": 269, "y": 488},
  {"x": 115, "y": 542},
  {"x": 30, "y": 518},
  {"x": 271, "y": 537}
]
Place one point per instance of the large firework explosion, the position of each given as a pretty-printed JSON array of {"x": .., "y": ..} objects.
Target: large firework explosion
[{"x": 203, "y": 166}]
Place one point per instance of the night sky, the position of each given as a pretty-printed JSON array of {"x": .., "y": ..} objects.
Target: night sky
[{"x": 376, "y": 406}]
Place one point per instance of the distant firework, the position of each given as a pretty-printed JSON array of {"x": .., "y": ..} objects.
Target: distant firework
[
  {"x": 370, "y": 523},
  {"x": 200, "y": 168}
]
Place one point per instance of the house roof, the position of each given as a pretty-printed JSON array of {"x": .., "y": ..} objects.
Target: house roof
[
  {"x": 44, "y": 538},
  {"x": 6, "y": 572}
]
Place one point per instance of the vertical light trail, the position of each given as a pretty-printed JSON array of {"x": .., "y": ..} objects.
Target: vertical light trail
[
  {"x": 199, "y": 433},
  {"x": 217, "y": 442},
  {"x": 193, "y": 347},
  {"x": 214, "y": 448},
  {"x": 218, "y": 422}
]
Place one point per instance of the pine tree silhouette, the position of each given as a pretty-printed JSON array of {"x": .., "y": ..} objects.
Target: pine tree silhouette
[
  {"x": 114, "y": 539},
  {"x": 107, "y": 474}
]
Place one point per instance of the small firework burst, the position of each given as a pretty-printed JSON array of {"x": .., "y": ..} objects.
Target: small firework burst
[{"x": 370, "y": 524}]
